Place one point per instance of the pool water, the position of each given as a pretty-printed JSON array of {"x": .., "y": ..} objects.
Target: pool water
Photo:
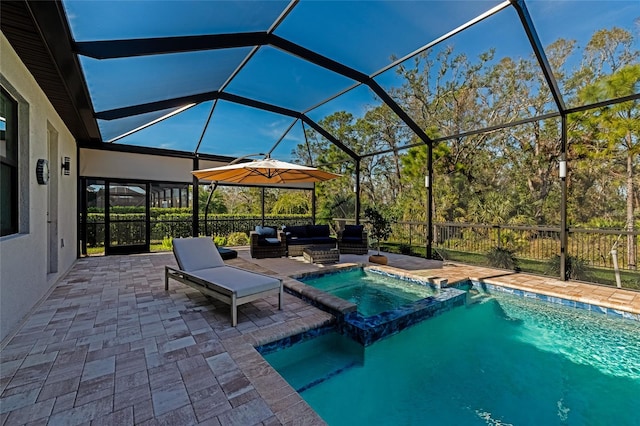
[
  {"x": 506, "y": 360},
  {"x": 373, "y": 293}
]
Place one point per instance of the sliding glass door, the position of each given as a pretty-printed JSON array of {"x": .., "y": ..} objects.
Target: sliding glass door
[{"x": 127, "y": 217}]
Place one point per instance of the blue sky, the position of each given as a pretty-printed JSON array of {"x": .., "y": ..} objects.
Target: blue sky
[{"x": 365, "y": 35}]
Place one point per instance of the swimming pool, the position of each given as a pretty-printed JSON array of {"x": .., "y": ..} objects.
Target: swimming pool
[{"x": 506, "y": 360}]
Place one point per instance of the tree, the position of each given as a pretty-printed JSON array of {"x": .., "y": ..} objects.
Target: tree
[
  {"x": 614, "y": 131},
  {"x": 291, "y": 202},
  {"x": 217, "y": 200},
  {"x": 379, "y": 225},
  {"x": 335, "y": 197}
]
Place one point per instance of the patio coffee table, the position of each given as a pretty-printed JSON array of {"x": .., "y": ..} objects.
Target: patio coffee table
[{"x": 321, "y": 255}]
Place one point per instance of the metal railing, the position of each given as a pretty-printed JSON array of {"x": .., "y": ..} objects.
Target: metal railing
[
  {"x": 596, "y": 245},
  {"x": 533, "y": 243},
  {"x": 535, "y": 247},
  {"x": 161, "y": 228},
  {"x": 226, "y": 226}
]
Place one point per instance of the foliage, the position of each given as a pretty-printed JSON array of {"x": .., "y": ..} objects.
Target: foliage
[
  {"x": 439, "y": 254},
  {"x": 575, "y": 268},
  {"x": 172, "y": 225},
  {"x": 292, "y": 202},
  {"x": 237, "y": 239},
  {"x": 220, "y": 241},
  {"x": 504, "y": 258},
  {"x": 379, "y": 226},
  {"x": 216, "y": 205},
  {"x": 405, "y": 248},
  {"x": 167, "y": 243}
]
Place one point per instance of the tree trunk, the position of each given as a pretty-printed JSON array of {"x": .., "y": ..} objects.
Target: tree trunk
[{"x": 631, "y": 239}]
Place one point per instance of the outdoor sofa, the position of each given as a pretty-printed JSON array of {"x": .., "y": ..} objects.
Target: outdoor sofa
[
  {"x": 201, "y": 267},
  {"x": 308, "y": 236}
]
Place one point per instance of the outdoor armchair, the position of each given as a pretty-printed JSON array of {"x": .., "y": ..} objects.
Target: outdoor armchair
[
  {"x": 353, "y": 240},
  {"x": 201, "y": 267},
  {"x": 267, "y": 241}
]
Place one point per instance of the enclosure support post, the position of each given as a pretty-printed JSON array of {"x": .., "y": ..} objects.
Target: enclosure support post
[
  {"x": 357, "y": 190},
  {"x": 563, "y": 200},
  {"x": 195, "y": 216},
  {"x": 84, "y": 229},
  {"x": 429, "y": 181}
]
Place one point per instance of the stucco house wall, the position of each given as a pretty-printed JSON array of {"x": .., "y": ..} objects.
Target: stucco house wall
[{"x": 33, "y": 260}]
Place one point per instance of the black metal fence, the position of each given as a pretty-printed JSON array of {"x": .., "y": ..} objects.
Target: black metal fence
[
  {"x": 592, "y": 253},
  {"x": 180, "y": 226},
  {"x": 226, "y": 226},
  {"x": 597, "y": 250}
]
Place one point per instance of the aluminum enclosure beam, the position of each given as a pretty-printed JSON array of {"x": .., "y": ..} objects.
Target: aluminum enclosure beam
[
  {"x": 138, "y": 47},
  {"x": 112, "y": 49},
  {"x": 538, "y": 49},
  {"x": 178, "y": 102}
]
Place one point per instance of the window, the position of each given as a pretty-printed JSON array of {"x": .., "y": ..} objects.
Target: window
[{"x": 8, "y": 164}]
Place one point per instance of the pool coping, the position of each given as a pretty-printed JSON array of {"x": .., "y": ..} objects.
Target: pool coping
[{"x": 610, "y": 311}]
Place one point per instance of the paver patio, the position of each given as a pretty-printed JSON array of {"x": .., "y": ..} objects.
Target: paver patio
[{"x": 109, "y": 346}]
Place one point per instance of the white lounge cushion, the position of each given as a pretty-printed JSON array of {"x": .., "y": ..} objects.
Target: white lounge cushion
[
  {"x": 196, "y": 253},
  {"x": 240, "y": 281}
]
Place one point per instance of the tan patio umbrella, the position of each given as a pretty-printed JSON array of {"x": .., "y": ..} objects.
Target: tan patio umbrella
[
  {"x": 266, "y": 171},
  {"x": 260, "y": 172}
]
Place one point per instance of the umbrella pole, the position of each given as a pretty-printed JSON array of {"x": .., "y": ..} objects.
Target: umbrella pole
[{"x": 212, "y": 187}]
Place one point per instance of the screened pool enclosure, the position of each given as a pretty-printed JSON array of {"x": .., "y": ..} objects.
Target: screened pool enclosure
[{"x": 504, "y": 127}]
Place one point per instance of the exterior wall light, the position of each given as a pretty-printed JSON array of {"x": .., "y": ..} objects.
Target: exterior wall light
[
  {"x": 562, "y": 169},
  {"x": 66, "y": 165}
]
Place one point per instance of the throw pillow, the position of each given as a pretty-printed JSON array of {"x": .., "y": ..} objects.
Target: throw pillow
[{"x": 352, "y": 231}]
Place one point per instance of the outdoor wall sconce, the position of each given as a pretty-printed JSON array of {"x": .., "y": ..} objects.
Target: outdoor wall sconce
[
  {"x": 66, "y": 165},
  {"x": 42, "y": 171},
  {"x": 426, "y": 181},
  {"x": 562, "y": 169}
]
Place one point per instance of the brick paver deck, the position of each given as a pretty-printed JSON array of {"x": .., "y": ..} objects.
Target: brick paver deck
[{"x": 109, "y": 346}]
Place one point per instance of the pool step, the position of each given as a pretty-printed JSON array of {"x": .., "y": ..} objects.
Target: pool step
[
  {"x": 474, "y": 296},
  {"x": 327, "y": 376},
  {"x": 314, "y": 361}
]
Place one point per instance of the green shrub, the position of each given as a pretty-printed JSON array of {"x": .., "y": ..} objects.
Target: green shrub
[
  {"x": 439, "y": 254},
  {"x": 172, "y": 225},
  {"x": 238, "y": 239},
  {"x": 500, "y": 257},
  {"x": 575, "y": 268},
  {"x": 405, "y": 248},
  {"x": 220, "y": 241},
  {"x": 167, "y": 243}
]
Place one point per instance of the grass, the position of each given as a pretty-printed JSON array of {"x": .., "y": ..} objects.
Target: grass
[{"x": 153, "y": 247}]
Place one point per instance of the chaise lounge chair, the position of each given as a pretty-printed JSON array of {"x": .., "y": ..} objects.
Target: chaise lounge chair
[{"x": 201, "y": 267}]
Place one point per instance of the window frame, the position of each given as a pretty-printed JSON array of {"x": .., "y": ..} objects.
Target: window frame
[{"x": 12, "y": 162}]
